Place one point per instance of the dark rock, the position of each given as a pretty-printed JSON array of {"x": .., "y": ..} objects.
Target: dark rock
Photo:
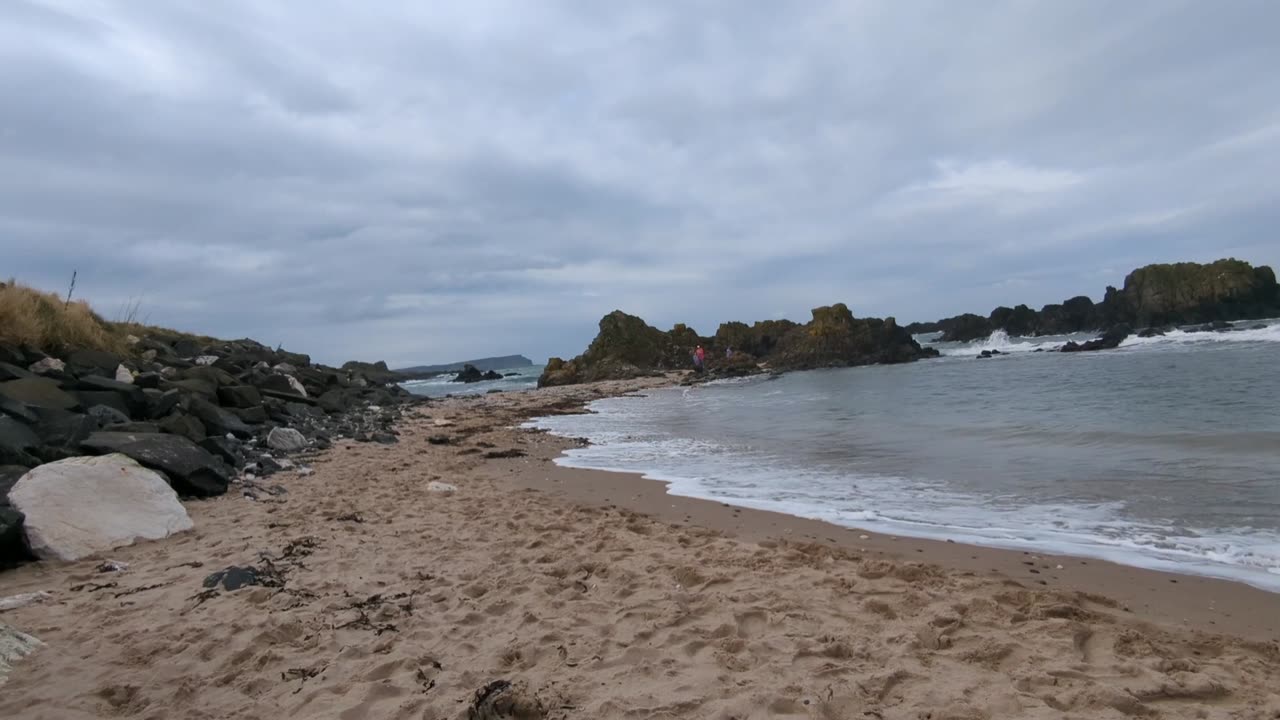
[
  {"x": 287, "y": 396},
  {"x": 278, "y": 384},
  {"x": 965, "y": 328},
  {"x": 302, "y": 410},
  {"x": 191, "y": 469},
  {"x": 500, "y": 454},
  {"x": 38, "y": 392},
  {"x": 9, "y": 475},
  {"x": 252, "y": 416},
  {"x": 13, "y": 545},
  {"x": 186, "y": 348},
  {"x": 90, "y": 398},
  {"x": 469, "y": 374},
  {"x": 16, "y": 443},
  {"x": 233, "y": 578},
  {"x": 1153, "y": 332},
  {"x": 213, "y": 376},
  {"x": 226, "y": 448},
  {"x": 239, "y": 396},
  {"x": 140, "y": 428},
  {"x": 184, "y": 425},
  {"x": 335, "y": 401},
  {"x": 93, "y": 362},
  {"x": 16, "y": 410},
  {"x": 439, "y": 439},
  {"x": 106, "y": 415},
  {"x": 385, "y": 438},
  {"x": 147, "y": 380},
  {"x": 218, "y": 421},
  {"x": 163, "y": 404},
  {"x": 13, "y": 372},
  {"x": 63, "y": 428},
  {"x": 199, "y": 387},
  {"x": 1109, "y": 341}
]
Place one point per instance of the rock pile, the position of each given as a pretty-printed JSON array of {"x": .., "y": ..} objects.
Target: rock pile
[{"x": 199, "y": 413}]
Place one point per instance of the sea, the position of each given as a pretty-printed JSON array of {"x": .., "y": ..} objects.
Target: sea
[
  {"x": 514, "y": 379},
  {"x": 1163, "y": 453}
]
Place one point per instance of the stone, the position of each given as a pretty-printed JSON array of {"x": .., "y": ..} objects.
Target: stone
[
  {"x": 436, "y": 486},
  {"x": 85, "y": 505},
  {"x": 284, "y": 384},
  {"x": 206, "y": 360},
  {"x": 1109, "y": 341},
  {"x": 334, "y": 401},
  {"x": 229, "y": 449},
  {"x": 233, "y": 578},
  {"x": 38, "y": 392},
  {"x": 286, "y": 439},
  {"x": 239, "y": 396},
  {"x": 138, "y": 428},
  {"x": 439, "y": 439},
  {"x": 202, "y": 388},
  {"x": 63, "y": 428},
  {"x": 191, "y": 469},
  {"x": 384, "y": 438},
  {"x": 9, "y": 371},
  {"x": 253, "y": 416},
  {"x": 147, "y": 380},
  {"x": 124, "y": 375},
  {"x": 16, "y": 410},
  {"x": 16, "y": 443},
  {"x": 186, "y": 348},
  {"x": 134, "y": 399},
  {"x": 184, "y": 425},
  {"x": 90, "y": 398},
  {"x": 161, "y": 405},
  {"x": 106, "y": 415},
  {"x": 218, "y": 421},
  {"x": 13, "y": 545},
  {"x": 47, "y": 366},
  {"x": 95, "y": 362},
  {"x": 14, "y": 645}
]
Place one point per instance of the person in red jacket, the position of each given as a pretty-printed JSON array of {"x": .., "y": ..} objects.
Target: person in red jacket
[{"x": 699, "y": 358}]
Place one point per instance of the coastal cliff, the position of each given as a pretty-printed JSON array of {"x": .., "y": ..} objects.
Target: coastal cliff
[
  {"x": 1153, "y": 296},
  {"x": 628, "y": 347}
]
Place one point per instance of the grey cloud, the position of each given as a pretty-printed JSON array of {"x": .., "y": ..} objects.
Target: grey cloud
[{"x": 427, "y": 182}]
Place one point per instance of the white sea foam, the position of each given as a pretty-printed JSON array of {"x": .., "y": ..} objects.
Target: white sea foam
[
  {"x": 748, "y": 477},
  {"x": 1001, "y": 341}
]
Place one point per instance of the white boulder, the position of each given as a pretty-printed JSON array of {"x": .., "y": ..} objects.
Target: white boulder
[
  {"x": 206, "y": 359},
  {"x": 296, "y": 385},
  {"x": 124, "y": 375},
  {"x": 14, "y": 645},
  {"x": 286, "y": 439},
  {"x": 47, "y": 365},
  {"x": 436, "y": 486},
  {"x": 84, "y": 505}
]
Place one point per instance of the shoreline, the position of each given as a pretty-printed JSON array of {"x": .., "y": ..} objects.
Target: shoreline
[
  {"x": 1078, "y": 558},
  {"x": 598, "y": 595}
]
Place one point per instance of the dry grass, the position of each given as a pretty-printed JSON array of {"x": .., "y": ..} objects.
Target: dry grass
[{"x": 45, "y": 321}]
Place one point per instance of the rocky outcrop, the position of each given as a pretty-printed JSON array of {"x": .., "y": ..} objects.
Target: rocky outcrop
[
  {"x": 84, "y": 505},
  {"x": 1152, "y": 296},
  {"x": 472, "y": 374},
  {"x": 627, "y": 347},
  {"x": 1110, "y": 340}
]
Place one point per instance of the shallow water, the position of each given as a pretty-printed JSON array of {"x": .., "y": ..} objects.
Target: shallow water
[
  {"x": 521, "y": 378},
  {"x": 1164, "y": 453}
]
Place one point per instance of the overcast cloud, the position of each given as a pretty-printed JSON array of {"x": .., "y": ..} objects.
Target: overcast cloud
[{"x": 423, "y": 182}]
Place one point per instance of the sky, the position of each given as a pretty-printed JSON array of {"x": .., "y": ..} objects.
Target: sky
[{"x": 428, "y": 182}]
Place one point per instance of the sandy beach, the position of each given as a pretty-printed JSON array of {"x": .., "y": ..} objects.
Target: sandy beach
[{"x": 598, "y": 595}]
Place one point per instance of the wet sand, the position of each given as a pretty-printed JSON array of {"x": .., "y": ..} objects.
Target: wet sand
[{"x": 599, "y": 596}]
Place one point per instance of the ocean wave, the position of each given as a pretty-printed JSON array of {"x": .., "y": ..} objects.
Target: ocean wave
[
  {"x": 624, "y": 440},
  {"x": 1248, "y": 331}
]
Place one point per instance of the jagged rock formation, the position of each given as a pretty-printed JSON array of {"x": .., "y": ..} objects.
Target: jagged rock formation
[
  {"x": 1153, "y": 296},
  {"x": 627, "y": 347}
]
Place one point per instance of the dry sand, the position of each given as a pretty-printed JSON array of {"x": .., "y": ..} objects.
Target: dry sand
[{"x": 598, "y": 596}]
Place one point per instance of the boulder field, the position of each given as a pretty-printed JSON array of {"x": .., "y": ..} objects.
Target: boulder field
[{"x": 193, "y": 413}]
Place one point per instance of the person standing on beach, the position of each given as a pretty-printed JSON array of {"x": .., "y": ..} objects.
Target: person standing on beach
[{"x": 699, "y": 356}]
